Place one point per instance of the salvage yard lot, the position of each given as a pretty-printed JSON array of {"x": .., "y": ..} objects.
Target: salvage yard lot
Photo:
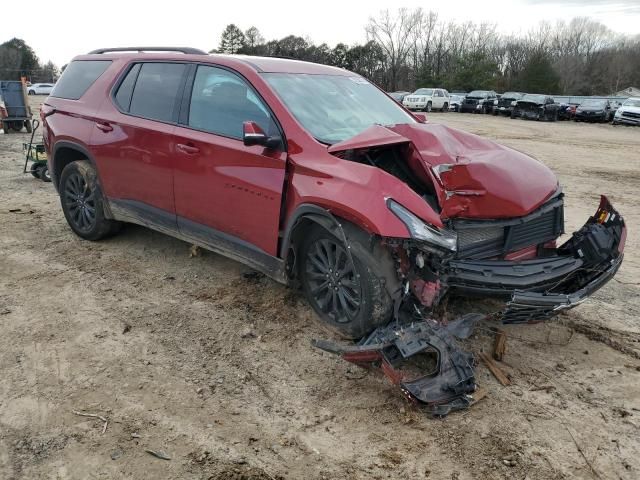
[{"x": 199, "y": 358}]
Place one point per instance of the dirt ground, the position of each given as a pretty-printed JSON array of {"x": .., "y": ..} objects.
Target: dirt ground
[{"x": 192, "y": 357}]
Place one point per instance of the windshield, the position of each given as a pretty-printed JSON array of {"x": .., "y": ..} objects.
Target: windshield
[
  {"x": 593, "y": 103},
  {"x": 511, "y": 95},
  {"x": 334, "y": 107},
  {"x": 533, "y": 98},
  {"x": 424, "y": 91},
  {"x": 478, "y": 93},
  {"x": 632, "y": 102}
]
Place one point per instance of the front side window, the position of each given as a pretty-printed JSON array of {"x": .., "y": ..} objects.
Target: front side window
[
  {"x": 156, "y": 89},
  {"x": 221, "y": 101},
  {"x": 334, "y": 108}
]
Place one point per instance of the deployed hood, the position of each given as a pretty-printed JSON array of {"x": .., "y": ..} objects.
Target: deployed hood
[{"x": 473, "y": 177}]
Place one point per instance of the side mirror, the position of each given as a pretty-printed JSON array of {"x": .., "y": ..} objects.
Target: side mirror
[
  {"x": 252, "y": 134},
  {"x": 421, "y": 117}
]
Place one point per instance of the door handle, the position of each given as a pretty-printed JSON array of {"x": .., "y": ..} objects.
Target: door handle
[
  {"x": 188, "y": 149},
  {"x": 105, "y": 127}
]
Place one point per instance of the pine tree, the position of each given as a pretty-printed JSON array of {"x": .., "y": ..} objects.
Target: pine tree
[{"x": 232, "y": 40}]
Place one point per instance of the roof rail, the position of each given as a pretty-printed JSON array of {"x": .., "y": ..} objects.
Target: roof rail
[{"x": 194, "y": 51}]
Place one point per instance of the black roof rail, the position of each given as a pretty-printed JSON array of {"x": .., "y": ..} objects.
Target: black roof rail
[{"x": 194, "y": 51}]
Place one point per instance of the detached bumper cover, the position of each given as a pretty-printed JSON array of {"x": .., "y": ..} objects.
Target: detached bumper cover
[
  {"x": 542, "y": 287},
  {"x": 398, "y": 351}
]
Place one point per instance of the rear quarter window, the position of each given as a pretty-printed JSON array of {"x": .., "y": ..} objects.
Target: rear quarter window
[{"x": 78, "y": 77}]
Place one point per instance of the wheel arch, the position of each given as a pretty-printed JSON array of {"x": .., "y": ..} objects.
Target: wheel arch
[
  {"x": 65, "y": 152},
  {"x": 307, "y": 216}
]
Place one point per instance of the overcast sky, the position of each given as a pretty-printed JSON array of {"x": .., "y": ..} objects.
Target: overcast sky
[{"x": 61, "y": 29}]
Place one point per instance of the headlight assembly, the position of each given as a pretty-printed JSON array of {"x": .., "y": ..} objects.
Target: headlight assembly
[{"x": 422, "y": 231}]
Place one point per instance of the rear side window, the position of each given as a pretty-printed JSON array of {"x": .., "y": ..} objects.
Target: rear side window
[
  {"x": 123, "y": 96},
  {"x": 155, "y": 91},
  {"x": 78, "y": 77}
]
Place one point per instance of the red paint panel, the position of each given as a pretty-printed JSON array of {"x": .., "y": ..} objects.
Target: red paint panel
[{"x": 230, "y": 187}]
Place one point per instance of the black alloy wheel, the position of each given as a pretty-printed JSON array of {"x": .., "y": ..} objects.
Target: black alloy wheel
[
  {"x": 80, "y": 202},
  {"x": 333, "y": 280},
  {"x": 352, "y": 293}
]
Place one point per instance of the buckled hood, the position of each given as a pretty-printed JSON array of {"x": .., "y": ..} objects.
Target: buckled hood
[{"x": 473, "y": 177}]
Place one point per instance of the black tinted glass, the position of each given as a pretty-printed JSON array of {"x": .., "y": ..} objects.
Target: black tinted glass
[
  {"x": 155, "y": 92},
  {"x": 221, "y": 101},
  {"x": 123, "y": 96},
  {"x": 78, "y": 77}
]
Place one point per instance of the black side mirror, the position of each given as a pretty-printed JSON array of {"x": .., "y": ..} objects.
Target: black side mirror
[{"x": 252, "y": 134}]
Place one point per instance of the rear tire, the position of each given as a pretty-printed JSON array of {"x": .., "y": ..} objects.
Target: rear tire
[
  {"x": 28, "y": 126},
  {"x": 83, "y": 202},
  {"x": 352, "y": 298},
  {"x": 428, "y": 109},
  {"x": 16, "y": 125},
  {"x": 32, "y": 92},
  {"x": 445, "y": 108}
]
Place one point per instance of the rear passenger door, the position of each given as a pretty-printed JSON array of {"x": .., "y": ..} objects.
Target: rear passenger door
[
  {"x": 438, "y": 99},
  {"x": 133, "y": 142},
  {"x": 226, "y": 192}
]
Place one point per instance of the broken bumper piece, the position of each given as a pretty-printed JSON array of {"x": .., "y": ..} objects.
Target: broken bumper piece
[
  {"x": 403, "y": 352},
  {"x": 542, "y": 287}
]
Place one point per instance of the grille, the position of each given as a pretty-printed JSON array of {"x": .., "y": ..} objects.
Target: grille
[
  {"x": 488, "y": 239},
  {"x": 470, "y": 101},
  {"x": 631, "y": 114},
  {"x": 505, "y": 102}
]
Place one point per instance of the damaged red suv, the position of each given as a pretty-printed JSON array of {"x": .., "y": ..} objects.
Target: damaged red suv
[{"x": 315, "y": 177}]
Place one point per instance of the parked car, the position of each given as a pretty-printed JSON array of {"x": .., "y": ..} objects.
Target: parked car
[
  {"x": 334, "y": 187},
  {"x": 479, "y": 101},
  {"x": 455, "y": 100},
  {"x": 504, "y": 105},
  {"x": 40, "y": 88},
  {"x": 427, "y": 99},
  {"x": 399, "y": 96},
  {"x": 594, "y": 110},
  {"x": 628, "y": 113},
  {"x": 536, "y": 107},
  {"x": 566, "y": 111}
]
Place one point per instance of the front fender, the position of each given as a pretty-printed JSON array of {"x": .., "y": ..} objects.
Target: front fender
[{"x": 357, "y": 193}]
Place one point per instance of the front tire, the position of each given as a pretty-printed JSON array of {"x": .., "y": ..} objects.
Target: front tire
[
  {"x": 32, "y": 92},
  {"x": 83, "y": 202},
  {"x": 351, "y": 297},
  {"x": 428, "y": 109},
  {"x": 445, "y": 108}
]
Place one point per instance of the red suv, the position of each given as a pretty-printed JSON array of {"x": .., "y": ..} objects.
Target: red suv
[{"x": 315, "y": 177}]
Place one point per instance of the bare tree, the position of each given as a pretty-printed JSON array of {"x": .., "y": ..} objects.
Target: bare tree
[{"x": 393, "y": 32}]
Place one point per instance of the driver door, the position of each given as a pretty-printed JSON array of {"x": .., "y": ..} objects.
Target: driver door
[{"x": 224, "y": 190}]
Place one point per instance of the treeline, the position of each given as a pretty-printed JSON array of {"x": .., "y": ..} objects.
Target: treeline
[
  {"x": 17, "y": 59},
  {"x": 406, "y": 49}
]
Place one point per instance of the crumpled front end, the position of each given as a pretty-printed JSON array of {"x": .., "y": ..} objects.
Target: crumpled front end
[
  {"x": 540, "y": 279},
  {"x": 528, "y": 110}
]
